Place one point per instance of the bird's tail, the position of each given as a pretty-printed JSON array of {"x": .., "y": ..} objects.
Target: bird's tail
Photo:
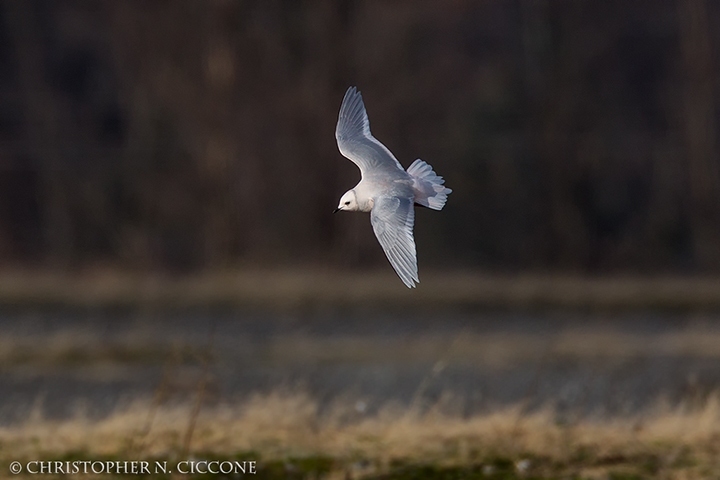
[{"x": 428, "y": 185}]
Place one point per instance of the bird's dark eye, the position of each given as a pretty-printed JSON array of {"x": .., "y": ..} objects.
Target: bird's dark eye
[{"x": 347, "y": 203}]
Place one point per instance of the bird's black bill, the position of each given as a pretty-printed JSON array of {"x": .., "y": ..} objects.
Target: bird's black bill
[{"x": 336, "y": 210}]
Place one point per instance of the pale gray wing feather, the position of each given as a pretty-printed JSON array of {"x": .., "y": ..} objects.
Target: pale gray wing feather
[
  {"x": 392, "y": 220},
  {"x": 355, "y": 140}
]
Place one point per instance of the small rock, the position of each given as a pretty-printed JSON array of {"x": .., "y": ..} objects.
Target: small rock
[{"x": 523, "y": 466}]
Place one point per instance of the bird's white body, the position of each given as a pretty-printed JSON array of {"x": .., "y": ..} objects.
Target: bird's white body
[{"x": 386, "y": 190}]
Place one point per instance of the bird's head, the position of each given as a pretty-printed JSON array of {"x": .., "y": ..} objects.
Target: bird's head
[{"x": 348, "y": 202}]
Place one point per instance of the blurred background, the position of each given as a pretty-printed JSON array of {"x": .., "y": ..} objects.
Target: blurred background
[
  {"x": 185, "y": 138},
  {"x": 577, "y": 135}
]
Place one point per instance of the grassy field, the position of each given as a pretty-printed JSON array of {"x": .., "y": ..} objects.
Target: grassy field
[
  {"x": 291, "y": 433},
  {"x": 291, "y": 289},
  {"x": 291, "y": 437}
]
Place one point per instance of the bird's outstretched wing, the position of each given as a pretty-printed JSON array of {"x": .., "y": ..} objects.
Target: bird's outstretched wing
[
  {"x": 392, "y": 220},
  {"x": 355, "y": 140}
]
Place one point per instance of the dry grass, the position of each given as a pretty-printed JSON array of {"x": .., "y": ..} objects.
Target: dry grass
[
  {"x": 679, "y": 442},
  {"x": 662, "y": 442},
  {"x": 135, "y": 347},
  {"x": 302, "y": 287}
]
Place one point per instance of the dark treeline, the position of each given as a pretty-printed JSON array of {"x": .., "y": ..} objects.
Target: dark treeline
[{"x": 577, "y": 135}]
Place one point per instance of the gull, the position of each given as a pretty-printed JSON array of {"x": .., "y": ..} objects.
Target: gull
[{"x": 386, "y": 190}]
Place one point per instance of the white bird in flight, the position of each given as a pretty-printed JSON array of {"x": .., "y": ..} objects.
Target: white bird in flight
[{"x": 386, "y": 190}]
